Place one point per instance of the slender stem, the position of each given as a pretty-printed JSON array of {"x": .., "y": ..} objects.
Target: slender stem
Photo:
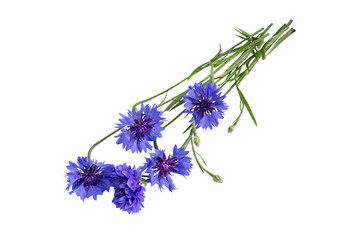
[
  {"x": 211, "y": 175},
  {"x": 212, "y": 65},
  {"x": 100, "y": 141},
  {"x": 198, "y": 162},
  {"x": 155, "y": 144},
  {"x": 196, "y": 159},
  {"x": 241, "y": 111},
  {"x": 212, "y": 73},
  {"x": 186, "y": 143},
  {"x": 159, "y": 94},
  {"x": 193, "y": 126},
  {"x": 174, "y": 119}
]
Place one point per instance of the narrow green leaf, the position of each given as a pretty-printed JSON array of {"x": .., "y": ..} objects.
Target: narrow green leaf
[
  {"x": 258, "y": 31},
  {"x": 175, "y": 101},
  {"x": 201, "y": 158},
  {"x": 198, "y": 69},
  {"x": 240, "y": 36},
  {"x": 187, "y": 129},
  {"x": 176, "y": 105},
  {"x": 246, "y": 104},
  {"x": 242, "y": 32},
  {"x": 174, "y": 119},
  {"x": 163, "y": 99}
]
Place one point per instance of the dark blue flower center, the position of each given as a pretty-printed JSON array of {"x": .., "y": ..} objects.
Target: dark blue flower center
[
  {"x": 204, "y": 106},
  {"x": 91, "y": 175},
  {"x": 141, "y": 127},
  {"x": 165, "y": 166}
]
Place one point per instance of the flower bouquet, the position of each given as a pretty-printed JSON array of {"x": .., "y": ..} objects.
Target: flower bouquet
[{"x": 203, "y": 104}]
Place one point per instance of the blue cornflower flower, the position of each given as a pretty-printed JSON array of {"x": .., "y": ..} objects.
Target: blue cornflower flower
[
  {"x": 140, "y": 127},
  {"x": 206, "y": 104},
  {"x": 129, "y": 194},
  {"x": 161, "y": 168},
  {"x": 89, "y": 178}
]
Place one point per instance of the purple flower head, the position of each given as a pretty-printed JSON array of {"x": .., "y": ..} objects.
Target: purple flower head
[
  {"x": 161, "y": 167},
  {"x": 206, "y": 104},
  {"x": 140, "y": 127},
  {"x": 129, "y": 194},
  {"x": 89, "y": 178}
]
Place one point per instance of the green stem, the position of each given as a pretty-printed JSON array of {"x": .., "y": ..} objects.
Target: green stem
[
  {"x": 193, "y": 126},
  {"x": 241, "y": 111},
  {"x": 212, "y": 73},
  {"x": 198, "y": 162},
  {"x": 194, "y": 153},
  {"x": 174, "y": 119},
  {"x": 186, "y": 143},
  {"x": 100, "y": 141},
  {"x": 155, "y": 144},
  {"x": 159, "y": 94},
  {"x": 211, "y": 175}
]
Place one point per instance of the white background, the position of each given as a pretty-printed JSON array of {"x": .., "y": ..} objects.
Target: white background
[{"x": 67, "y": 68}]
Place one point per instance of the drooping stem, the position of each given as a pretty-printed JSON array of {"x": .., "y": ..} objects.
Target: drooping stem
[
  {"x": 202, "y": 168},
  {"x": 100, "y": 141}
]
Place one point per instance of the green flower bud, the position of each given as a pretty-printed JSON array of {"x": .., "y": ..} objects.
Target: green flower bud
[
  {"x": 197, "y": 141},
  {"x": 218, "y": 179},
  {"x": 231, "y": 129}
]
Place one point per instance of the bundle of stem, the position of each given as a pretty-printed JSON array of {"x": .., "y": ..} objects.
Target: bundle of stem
[{"x": 240, "y": 59}]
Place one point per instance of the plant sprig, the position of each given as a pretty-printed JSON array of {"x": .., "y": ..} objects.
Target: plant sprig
[{"x": 240, "y": 59}]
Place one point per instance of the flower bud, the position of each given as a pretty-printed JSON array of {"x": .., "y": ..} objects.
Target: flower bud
[
  {"x": 231, "y": 129},
  {"x": 197, "y": 141},
  {"x": 218, "y": 179}
]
